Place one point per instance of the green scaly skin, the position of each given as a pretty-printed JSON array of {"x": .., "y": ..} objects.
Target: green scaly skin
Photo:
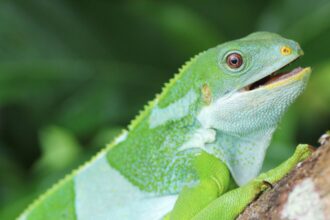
[{"x": 196, "y": 150}]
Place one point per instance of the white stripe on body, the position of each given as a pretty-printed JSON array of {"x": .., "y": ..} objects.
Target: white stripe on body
[
  {"x": 103, "y": 193},
  {"x": 174, "y": 111}
]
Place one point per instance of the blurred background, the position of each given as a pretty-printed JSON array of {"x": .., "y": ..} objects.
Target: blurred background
[{"x": 72, "y": 75}]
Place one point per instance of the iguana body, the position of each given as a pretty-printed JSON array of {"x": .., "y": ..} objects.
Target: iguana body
[{"x": 206, "y": 133}]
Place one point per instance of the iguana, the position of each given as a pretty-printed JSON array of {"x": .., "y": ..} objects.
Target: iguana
[{"x": 196, "y": 150}]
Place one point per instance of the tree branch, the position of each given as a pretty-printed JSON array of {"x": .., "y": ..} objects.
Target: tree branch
[{"x": 303, "y": 194}]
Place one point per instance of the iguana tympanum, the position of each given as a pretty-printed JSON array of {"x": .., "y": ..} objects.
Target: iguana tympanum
[{"x": 196, "y": 150}]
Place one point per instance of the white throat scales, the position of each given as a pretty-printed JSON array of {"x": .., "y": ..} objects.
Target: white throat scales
[{"x": 240, "y": 140}]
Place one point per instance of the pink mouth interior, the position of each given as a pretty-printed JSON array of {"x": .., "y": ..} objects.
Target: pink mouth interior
[{"x": 272, "y": 79}]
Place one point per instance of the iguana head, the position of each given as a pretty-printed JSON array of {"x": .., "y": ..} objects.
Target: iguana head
[{"x": 246, "y": 94}]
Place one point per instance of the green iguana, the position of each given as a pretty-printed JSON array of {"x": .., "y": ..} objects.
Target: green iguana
[{"x": 195, "y": 151}]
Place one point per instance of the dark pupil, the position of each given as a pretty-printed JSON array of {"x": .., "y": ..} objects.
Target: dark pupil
[{"x": 234, "y": 60}]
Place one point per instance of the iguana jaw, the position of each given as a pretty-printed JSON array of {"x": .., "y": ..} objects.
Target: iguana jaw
[{"x": 277, "y": 79}]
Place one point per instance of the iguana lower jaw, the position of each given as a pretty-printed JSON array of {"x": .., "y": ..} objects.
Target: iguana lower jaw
[
  {"x": 278, "y": 78},
  {"x": 289, "y": 77}
]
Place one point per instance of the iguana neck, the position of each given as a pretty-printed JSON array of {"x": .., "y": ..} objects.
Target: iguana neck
[{"x": 154, "y": 163}]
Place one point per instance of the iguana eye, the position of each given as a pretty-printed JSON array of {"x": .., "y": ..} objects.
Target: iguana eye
[{"x": 234, "y": 60}]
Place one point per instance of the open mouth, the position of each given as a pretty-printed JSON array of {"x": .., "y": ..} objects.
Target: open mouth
[{"x": 274, "y": 77}]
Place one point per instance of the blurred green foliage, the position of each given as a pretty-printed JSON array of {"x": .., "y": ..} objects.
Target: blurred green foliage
[{"x": 72, "y": 74}]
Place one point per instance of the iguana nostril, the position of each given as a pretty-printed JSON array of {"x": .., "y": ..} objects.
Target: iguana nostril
[{"x": 286, "y": 50}]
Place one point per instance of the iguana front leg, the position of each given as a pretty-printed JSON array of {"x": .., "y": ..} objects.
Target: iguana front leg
[
  {"x": 214, "y": 181},
  {"x": 228, "y": 206},
  {"x": 231, "y": 204}
]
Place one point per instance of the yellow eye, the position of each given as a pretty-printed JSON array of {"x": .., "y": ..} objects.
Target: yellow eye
[{"x": 285, "y": 50}]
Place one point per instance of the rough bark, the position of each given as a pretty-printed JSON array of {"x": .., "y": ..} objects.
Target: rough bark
[{"x": 304, "y": 194}]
